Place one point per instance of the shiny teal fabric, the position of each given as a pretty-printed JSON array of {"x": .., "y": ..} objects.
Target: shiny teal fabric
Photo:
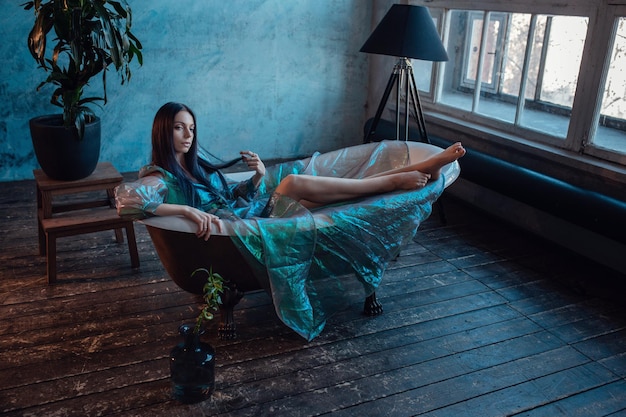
[
  {"x": 310, "y": 255},
  {"x": 155, "y": 186}
]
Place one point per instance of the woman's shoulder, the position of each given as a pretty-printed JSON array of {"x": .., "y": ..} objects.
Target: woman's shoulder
[{"x": 154, "y": 170}]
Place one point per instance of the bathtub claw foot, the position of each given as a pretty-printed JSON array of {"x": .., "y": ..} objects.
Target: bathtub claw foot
[
  {"x": 372, "y": 307},
  {"x": 227, "y": 330}
]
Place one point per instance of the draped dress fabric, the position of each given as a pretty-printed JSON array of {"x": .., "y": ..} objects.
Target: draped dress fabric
[{"x": 311, "y": 257}]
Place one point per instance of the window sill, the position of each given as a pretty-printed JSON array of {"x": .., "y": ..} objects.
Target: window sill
[{"x": 580, "y": 170}]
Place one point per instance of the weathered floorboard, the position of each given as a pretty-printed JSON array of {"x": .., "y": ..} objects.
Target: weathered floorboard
[{"x": 480, "y": 319}]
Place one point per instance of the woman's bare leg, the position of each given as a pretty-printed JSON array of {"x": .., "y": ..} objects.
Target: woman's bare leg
[
  {"x": 317, "y": 190},
  {"x": 320, "y": 190},
  {"x": 433, "y": 164}
]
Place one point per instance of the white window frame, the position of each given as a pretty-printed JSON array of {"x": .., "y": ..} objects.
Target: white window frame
[
  {"x": 588, "y": 96},
  {"x": 587, "y": 114},
  {"x": 494, "y": 86}
]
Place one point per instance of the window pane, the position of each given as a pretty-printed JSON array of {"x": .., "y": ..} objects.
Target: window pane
[
  {"x": 611, "y": 133},
  {"x": 512, "y": 75},
  {"x": 452, "y": 92},
  {"x": 514, "y": 60},
  {"x": 566, "y": 39},
  {"x": 423, "y": 70},
  {"x": 547, "y": 69},
  {"x": 473, "y": 48},
  {"x": 558, "y": 44}
]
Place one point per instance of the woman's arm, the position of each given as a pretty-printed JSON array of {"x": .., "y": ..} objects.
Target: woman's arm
[
  {"x": 199, "y": 217},
  {"x": 247, "y": 189},
  {"x": 138, "y": 199},
  {"x": 146, "y": 197},
  {"x": 255, "y": 163}
]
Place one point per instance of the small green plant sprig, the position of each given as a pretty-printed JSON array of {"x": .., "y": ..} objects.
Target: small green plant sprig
[{"x": 211, "y": 293}]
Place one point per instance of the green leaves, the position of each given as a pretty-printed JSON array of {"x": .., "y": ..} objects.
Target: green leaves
[
  {"x": 90, "y": 36},
  {"x": 37, "y": 35},
  {"x": 211, "y": 293}
]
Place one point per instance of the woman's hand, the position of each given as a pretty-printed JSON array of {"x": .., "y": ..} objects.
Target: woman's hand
[
  {"x": 199, "y": 217},
  {"x": 254, "y": 162},
  {"x": 203, "y": 220}
]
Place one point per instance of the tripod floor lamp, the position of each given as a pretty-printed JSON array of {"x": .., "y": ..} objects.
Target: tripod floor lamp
[{"x": 406, "y": 32}]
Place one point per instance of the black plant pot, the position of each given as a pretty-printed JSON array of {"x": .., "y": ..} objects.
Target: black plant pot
[
  {"x": 192, "y": 368},
  {"x": 61, "y": 155}
]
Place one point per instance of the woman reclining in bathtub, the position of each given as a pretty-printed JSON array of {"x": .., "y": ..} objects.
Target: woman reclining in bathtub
[{"x": 180, "y": 183}]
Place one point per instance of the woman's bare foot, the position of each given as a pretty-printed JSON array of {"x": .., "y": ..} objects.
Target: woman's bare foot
[
  {"x": 452, "y": 153},
  {"x": 434, "y": 164},
  {"x": 411, "y": 180}
]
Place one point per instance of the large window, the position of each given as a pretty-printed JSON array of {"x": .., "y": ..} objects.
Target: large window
[
  {"x": 611, "y": 125},
  {"x": 537, "y": 75}
]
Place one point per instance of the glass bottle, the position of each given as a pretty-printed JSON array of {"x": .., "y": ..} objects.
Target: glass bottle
[{"x": 192, "y": 367}]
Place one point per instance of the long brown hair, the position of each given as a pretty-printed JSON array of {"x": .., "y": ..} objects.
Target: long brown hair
[{"x": 164, "y": 153}]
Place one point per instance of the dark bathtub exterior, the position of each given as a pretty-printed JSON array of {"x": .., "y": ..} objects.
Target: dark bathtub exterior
[{"x": 182, "y": 253}]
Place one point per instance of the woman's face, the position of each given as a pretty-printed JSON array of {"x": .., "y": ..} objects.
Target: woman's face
[{"x": 184, "y": 132}]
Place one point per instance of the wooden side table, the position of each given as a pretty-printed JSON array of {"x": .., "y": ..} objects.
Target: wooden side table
[{"x": 89, "y": 214}]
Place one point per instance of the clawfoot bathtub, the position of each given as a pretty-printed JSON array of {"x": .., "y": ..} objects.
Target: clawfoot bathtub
[{"x": 181, "y": 252}]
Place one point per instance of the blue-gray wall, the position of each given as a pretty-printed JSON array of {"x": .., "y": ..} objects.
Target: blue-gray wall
[{"x": 281, "y": 77}]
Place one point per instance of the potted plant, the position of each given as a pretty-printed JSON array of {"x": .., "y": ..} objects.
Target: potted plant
[
  {"x": 90, "y": 37},
  {"x": 192, "y": 362}
]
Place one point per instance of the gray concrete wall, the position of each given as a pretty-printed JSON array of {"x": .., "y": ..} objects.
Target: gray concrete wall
[{"x": 281, "y": 77}]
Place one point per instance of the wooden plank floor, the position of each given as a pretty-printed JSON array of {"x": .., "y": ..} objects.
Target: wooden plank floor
[{"x": 480, "y": 320}]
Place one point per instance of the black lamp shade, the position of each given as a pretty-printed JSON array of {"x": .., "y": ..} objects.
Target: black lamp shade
[{"x": 409, "y": 32}]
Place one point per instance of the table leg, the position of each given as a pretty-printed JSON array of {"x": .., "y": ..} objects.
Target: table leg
[
  {"x": 51, "y": 258},
  {"x": 40, "y": 233},
  {"x": 119, "y": 236},
  {"x": 132, "y": 245},
  {"x": 42, "y": 238}
]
